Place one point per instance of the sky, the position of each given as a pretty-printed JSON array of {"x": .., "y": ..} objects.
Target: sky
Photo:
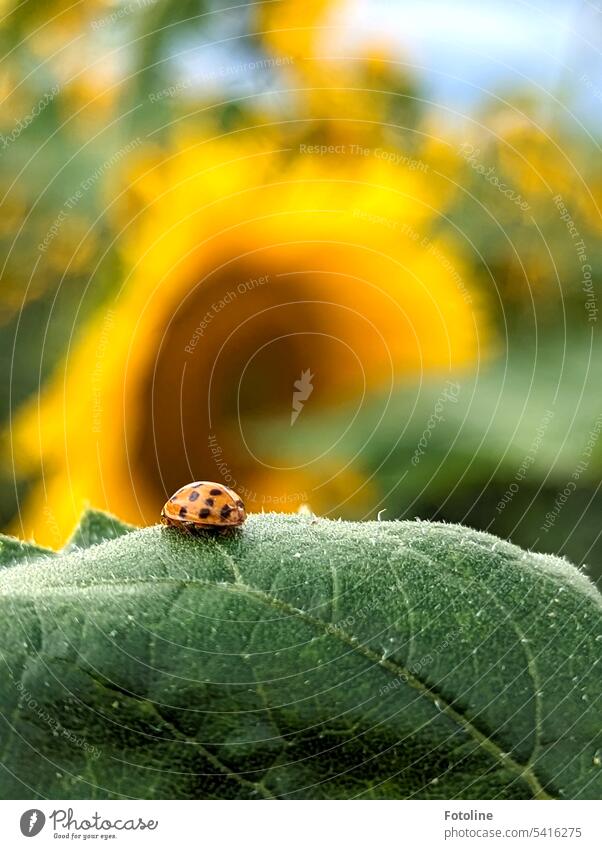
[{"x": 462, "y": 48}]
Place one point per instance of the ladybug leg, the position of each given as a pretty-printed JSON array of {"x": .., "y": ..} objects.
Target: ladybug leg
[
  {"x": 188, "y": 529},
  {"x": 228, "y": 530},
  {"x": 197, "y": 531}
]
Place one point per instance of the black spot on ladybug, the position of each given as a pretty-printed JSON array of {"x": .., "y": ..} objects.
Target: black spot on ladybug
[
  {"x": 193, "y": 496},
  {"x": 215, "y": 492},
  {"x": 183, "y": 512},
  {"x": 209, "y": 502},
  {"x": 225, "y": 511},
  {"x": 204, "y": 513}
]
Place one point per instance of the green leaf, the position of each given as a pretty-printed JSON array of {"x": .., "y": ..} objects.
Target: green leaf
[
  {"x": 13, "y": 551},
  {"x": 95, "y": 527},
  {"x": 301, "y": 658}
]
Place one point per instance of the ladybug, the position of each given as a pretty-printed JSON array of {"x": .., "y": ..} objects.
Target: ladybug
[{"x": 204, "y": 505}]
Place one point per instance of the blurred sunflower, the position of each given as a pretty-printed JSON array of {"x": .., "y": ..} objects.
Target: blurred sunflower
[
  {"x": 250, "y": 267},
  {"x": 527, "y": 243},
  {"x": 361, "y": 94},
  {"x": 294, "y": 29}
]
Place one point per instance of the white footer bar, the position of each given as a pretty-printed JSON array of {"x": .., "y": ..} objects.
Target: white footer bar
[{"x": 301, "y": 825}]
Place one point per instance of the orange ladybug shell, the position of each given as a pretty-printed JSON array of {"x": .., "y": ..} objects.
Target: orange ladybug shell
[{"x": 204, "y": 504}]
